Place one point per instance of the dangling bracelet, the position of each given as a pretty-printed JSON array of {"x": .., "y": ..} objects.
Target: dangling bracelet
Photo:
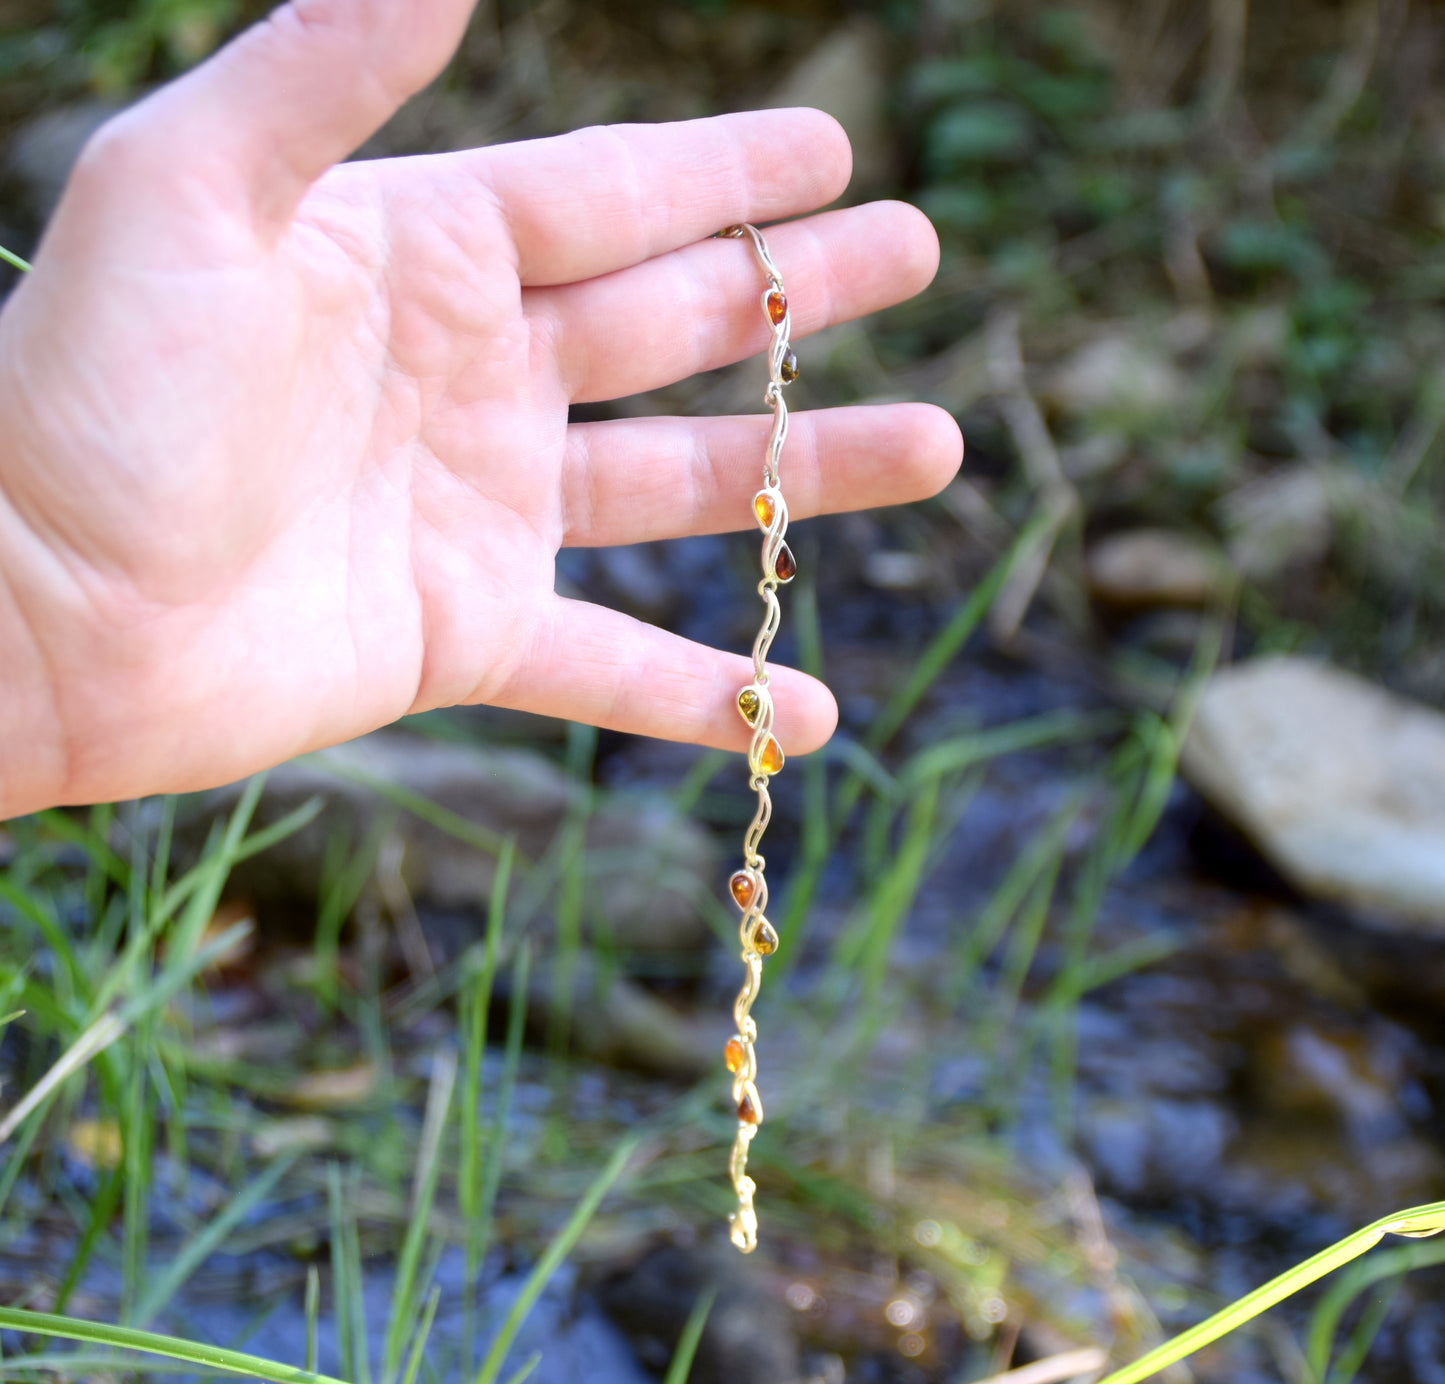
[{"x": 748, "y": 885}]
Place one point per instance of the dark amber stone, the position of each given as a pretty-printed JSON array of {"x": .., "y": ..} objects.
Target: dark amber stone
[
  {"x": 734, "y": 1056},
  {"x": 749, "y": 1108},
  {"x": 771, "y": 759},
  {"x": 777, "y": 307},
  {"x": 764, "y": 507},
  {"x": 750, "y": 703},
  {"x": 785, "y": 565},
  {"x": 765, "y": 938},
  {"x": 743, "y": 887},
  {"x": 788, "y": 370}
]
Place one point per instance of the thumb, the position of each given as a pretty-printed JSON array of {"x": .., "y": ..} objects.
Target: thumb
[{"x": 296, "y": 93}]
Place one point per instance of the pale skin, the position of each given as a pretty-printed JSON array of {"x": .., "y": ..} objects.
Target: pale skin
[{"x": 284, "y": 450}]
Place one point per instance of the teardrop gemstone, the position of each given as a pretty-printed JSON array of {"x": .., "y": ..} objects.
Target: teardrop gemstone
[
  {"x": 788, "y": 370},
  {"x": 750, "y": 1108},
  {"x": 750, "y": 704},
  {"x": 764, "y": 507},
  {"x": 765, "y": 938},
  {"x": 785, "y": 565},
  {"x": 743, "y": 888},
  {"x": 734, "y": 1056},
  {"x": 777, "y": 307},
  {"x": 771, "y": 759}
]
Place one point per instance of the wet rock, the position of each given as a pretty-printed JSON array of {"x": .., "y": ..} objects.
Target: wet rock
[
  {"x": 845, "y": 75},
  {"x": 1154, "y": 567},
  {"x": 1340, "y": 784},
  {"x": 749, "y": 1338},
  {"x": 649, "y": 869},
  {"x": 613, "y": 1020}
]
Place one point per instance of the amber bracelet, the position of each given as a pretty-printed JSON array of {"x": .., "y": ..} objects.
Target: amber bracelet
[{"x": 749, "y": 886}]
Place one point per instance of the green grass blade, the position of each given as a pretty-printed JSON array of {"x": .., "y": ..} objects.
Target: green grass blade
[
  {"x": 528, "y": 1368},
  {"x": 475, "y": 1012},
  {"x": 680, "y": 1366},
  {"x": 340, "y": 1273},
  {"x": 552, "y": 1259},
  {"x": 312, "y": 1313},
  {"x": 1325, "y": 1319},
  {"x": 423, "y": 1331},
  {"x": 511, "y": 1062},
  {"x": 206, "y": 1241},
  {"x": 424, "y": 1184},
  {"x": 442, "y": 818},
  {"x": 171, "y": 1347},
  {"x": 1416, "y": 1222},
  {"x": 14, "y": 260}
]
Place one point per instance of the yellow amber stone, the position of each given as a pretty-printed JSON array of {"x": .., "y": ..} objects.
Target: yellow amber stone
[
  {"x": 771, "y": 759},
  {"x": 743, "y": 888},
  {"x": 777, "y": 307},
  {"x": 788, "y": 370},
  {"x": 750, "y": 1109},
  {"x": 750, "y": 703},
  {"x": 764, "y": 507},
  {"x": 785, "y": 565},
  {"x": 734, "y": 1056},
  {"x": 765, "y": 938}
]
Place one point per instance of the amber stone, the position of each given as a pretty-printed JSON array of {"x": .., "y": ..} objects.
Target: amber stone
[
  {"x": 771, "y": 759},
  {"x": 777, "y": 307},
  {"x": 764, "y": 507},
  {"x": 785, "y": 566},
  {"x": 734, "y": 1056},
  {"x": 765, "y": 938},
  {"x": 750, "y": 703},
  {"x": 743, "y": 887},
  {"x": 748, "y": 1108},
  {"x": 788, "y": 370}
]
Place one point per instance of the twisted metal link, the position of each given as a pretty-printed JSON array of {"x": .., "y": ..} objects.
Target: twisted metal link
[{"x": 765, "y": 756}]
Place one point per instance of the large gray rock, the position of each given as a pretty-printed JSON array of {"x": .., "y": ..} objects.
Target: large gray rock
[
  {"x": 649, "y": 870},
  {"x": 1338, "y": 782}
]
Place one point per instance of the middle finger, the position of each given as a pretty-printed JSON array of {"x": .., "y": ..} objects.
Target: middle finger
[{"x": 698, "y": 308}]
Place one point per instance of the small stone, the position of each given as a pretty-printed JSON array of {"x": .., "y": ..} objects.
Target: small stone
[
  {"x": 734, "y": 1056},
  {"x": 750, "y": 1108},
  {"x": 771, "y": 759},
  {"x": 788, "y": 370},
  {"x": 764, "y": 507},
  {"x": 750, "y": 704},
  {"x": 777, "y": 307},
  {"x": 765, "y": 938},
  {"x": 785, "y": 565},
  {"x": 744, "y": 887}
]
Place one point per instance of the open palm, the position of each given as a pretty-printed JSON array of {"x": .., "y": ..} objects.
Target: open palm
[{"x": 286, "y": 450}]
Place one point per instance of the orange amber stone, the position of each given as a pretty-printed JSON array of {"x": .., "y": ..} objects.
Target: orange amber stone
[
  {"x": 750, "y": 703},
  {"x": 764, "y": 507},
  {"x": 785, "y": 566},
  {"x": 765, "y": 938},
  {"x": 743, "y": 887},
  {"x": 777, "y": 307},
  {"x": 788, "y": 370},
  {"x": 734, "y": 1056},
  {"x": 771, "y": 759},
  {"x": 750, "y": 1108}
]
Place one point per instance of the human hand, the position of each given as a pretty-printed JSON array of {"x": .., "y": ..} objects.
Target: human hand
[{"x": 285, "y": 450}]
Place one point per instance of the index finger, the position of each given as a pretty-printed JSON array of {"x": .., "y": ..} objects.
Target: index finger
[{"x": 612, "y": 196}]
